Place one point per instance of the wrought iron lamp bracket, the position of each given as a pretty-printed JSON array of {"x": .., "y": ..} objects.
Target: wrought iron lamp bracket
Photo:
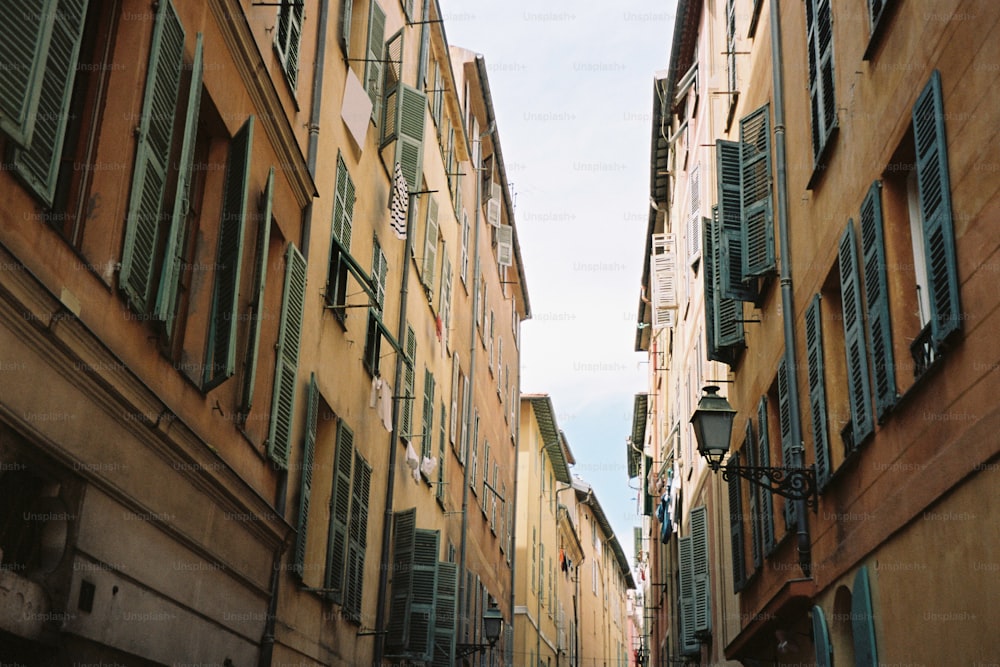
[{"x": 791, "y": 483}]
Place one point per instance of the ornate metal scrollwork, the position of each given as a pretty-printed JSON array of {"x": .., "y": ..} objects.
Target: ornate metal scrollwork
[{"x": 791, "y": 483}]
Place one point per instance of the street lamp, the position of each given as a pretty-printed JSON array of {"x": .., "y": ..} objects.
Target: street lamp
[
  {"x": 492, "y": 628},
  {"x": 713, "y": 429}
]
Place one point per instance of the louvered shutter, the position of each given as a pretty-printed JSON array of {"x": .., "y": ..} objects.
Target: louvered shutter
[
  {"x": 257, "y": 298},
  {"x": 308, "y": 449},
  {"x": 445, "y": 613},
  {"x": 505, "y": 245},
  {"x": 731, "y": 235},
  {"x": 729, "y": 312},
  {"x": 663, "y": 266},
  {"x": 374, "y": 56},
  {"x": 736, "y": 529},
  {"x": 39, "y": 166},
  {"x": 694, "y": 235},
  {"x": 702, "y": 585},
  {"x": 424, "y": 589},
  {"x": 347, "y": 11},
  {"x": 819, "y": 31},
  {"x": 287, "y": 357},
  {"x": 427, "y": 432},
  {"x": 785, "y": 421},
  {"x": 287, "y": 39},
  {"x": 357, "y": 541},
  {"x": 817, "y": 391},
  {"x": 404, "y": 531},
  {"x": 689, "y": 643},
  {"x": 493, "y": 204},
  {"x": 854, "y": 338},
  {"x": 755, "y": 187},
  {"x": 756, "y": 540},
  {"x": 410, "y": 143},
  {"x": 408, "y": 378},
  {"x": 863, "y": 621},
  {"x": 821, "y": 638},
  {"x": 934, "y": 184},
  {"x": 455, "y": 392},
  {"x": 340, "y": 505},
  {"x": 391, "y": 76},
  {"x": 221, "y": 357},
  {"x": 444, "y": 300},
  {"x": 24, "y": 52},
  {"x": 878, "y": 325},
  {"x": 430, "y": 245},
  {"x": 765, "y": 500},
  {"x": 152, "y": 156},
  {"x": 442, "y": 453},
  {"x": 343, "y": 207},
  {"x": 712, "y": 351}
]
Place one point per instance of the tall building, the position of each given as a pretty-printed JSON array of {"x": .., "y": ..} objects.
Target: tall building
[{"x": 848, "y": 237}]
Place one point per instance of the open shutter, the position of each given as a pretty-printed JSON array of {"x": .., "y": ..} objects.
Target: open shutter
[
  {"x": 785, "y": 420},
  {"x": 730, "y": 238},
  {"x": 878, "y": 326},
  {"x": 863, "y": 621},
  {"x": 694, "y": 233},
  {"x": 173, "y": 254},
  {"x": 308, "y": 449},
  {"x": 821, "y": 638},
  {"x": 287, "y": 39},
  {"x": 689, "y": 644},
  {"x": 430, "y": 244},
  {"x": 24, "y": 51},
  {"x": 817, "y": 391},
  {"x": 358, "y": 539},
  {"x": 934, "y": 184},
  {"x": 347, "y": 10},
  {"x": 340, "y": 503},
  {"x": 702, "y": 586},
  {"x": 343, "y": 208},
  {"x": 152, "y": 156},
  {"x": 505, "y": 245},
  {"x": 736, "y": 529},
  {"x": 756, "y": 542},
  {"x": 39, "y": 167},
  {"x": 729, "y": 313},
  {"x": 493, "y": 204},
  {"x": 712, "y": 351},
  {"x": 287, "y": 357},
  {"x": 445, "y": 614},
  {"x": 257, "y": 298},
  {"x": 410, "y": 143},
  {"x": 408, "y": 378},
  {"x": 819, "y": 32},
  {"x": 455, "y": 392},
  {"x": 765, "y": 500},
  {"x": 404, "y": 531},
  {"x": 854, "y": 339},
  {"x": 755, "y": 186},
  {"x": 423, "y": 599},
  {"x": 221, "y": 361},
  {"x": 374, "y": 55},
  {"x": 392, "y": 68},
  {"x": 663, "y": 266},
  {"x": 427, "y": 431}
]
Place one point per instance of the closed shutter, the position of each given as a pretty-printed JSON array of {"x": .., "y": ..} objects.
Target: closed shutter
[
  {"x": 817, "y": 391},
  {"x": 408, "y": 378},
  {"x": 410, "y": 143},
  {"x": 765, "y": 500},
  {"x": 39, "y": 166},
  {"x": 736, "y": 529},
  {"x": 863, "y": 621},
  {"x": 221, "y": 357},
  {"x": 785, "y": 421},
  {"x": 287, "y": 357},
  {"x": 934, "y": 184},
  {"x": 702, "y": 585},
  {"x": 373, "y": 59},
  {"x": 257, "y": 296},
  {"x": 819, "y": 31},
  {"x": 404, "y": 531},
  {"x": 24, "y": 51},
  {"x": 340, "y": 504},
  {"x": 430, "y": 245},
  {"x": 357, "y": 541},
  {"x": 152, "y": 156},
  {"x": 821, "y": 638},
  {"x": 755, "y": 186},
  {"x": 308, "y": 449},
  {"x": 424, "y": 589},
  {"x": 878, "y": 325},
  {"x": 756, "y": 541},
  {"x": 689, "y": 644},
  {"x": 445, "y": 614},
  {"x": 731, "y": 235},
  {"x": 854, "y": 339}
]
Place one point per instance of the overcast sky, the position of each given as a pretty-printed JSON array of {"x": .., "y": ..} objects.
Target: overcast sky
[{"x": 573, "y": 93}]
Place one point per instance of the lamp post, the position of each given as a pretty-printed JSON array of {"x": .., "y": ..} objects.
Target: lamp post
[
  {"x": 492, "y": 629},
  {"x": 713, "y": 429}
]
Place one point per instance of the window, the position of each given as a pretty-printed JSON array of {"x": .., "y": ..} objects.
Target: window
[
  {"x": 724, "y": 333},
  {"x": 817, "y": 391},
  {"x": 878, "y": 11},
  {"x": 373, "y": 337},
  {"x": 731, "y": 54},
  {"x": 346, "y": 13},
  {"x": 736, "y": 527},
  {"x": 340, "y": 245},
  {"x": 374, "y": 53},
  {"x": 409, "y": 371},
  {"x": 765, "y": 500},
  {"x": 288, "y": 36},
  {"x": 819, "y": 34},
  {"x": 695, "y": 589},
  {"x": 427, "y": 433},
  {"x": 855, "y": 344}
]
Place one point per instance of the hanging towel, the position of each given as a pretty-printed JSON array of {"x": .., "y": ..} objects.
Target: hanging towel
[
  {"x": 385, "y": 405},
  {"x": 400, "y": 203},
  {"x": 373, "y": 396}
]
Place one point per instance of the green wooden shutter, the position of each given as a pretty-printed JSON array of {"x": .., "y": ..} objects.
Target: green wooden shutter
[
  {"x": 455, "y": 400},
  {"x": 308, "y": 449},
  {"x": 736, "y": 529},
  {"x": 756, "y": 541},
  {"x": 343, "y": 205},
  {"x": 821, "y": 638},
  {"x": 819, "y": 31},
  {"x": 410, "y": 143},
  {"x": 374, "y": 56},
  {"x": 39, "y": 167},
  {"x": 392, "y": 73},
  {"x": 854, "y": 339},
  {"x": 152, "y": 156},
  {"x": 878, "y": 325},
  {"x": 427, "y": 432},
  {"x": 730, "y": 238},
  {"x": 934, "y": 184},
  {"x": 765, "y": 500},
  {"x": 257, "y": 298},
  {"x": 711, "y": 298},
  {"x": 24, "y": 51},
  {"x": 357, "y": 542},
  {"x": 863, "y": 621},
  {"x": 442, "y": 452},
  {"x": 424, "y": 589},
  {"x": 785, "y": 421},
  {"x": 409, "y": 371},
  {"x": 221, "y": 357},
  {"x": 287, "y": 39},
  {"x": 340, "y": 504},
  {"x": 755, "y": 186},
  {"x": 689, "y": 643},
  {"x": 445, "y": 613},
  {"x": 287, "y": 357},
  {"x": 347, "y": 10},
  {"x": 430, "y": 245},
  {"x": 723, "y": 317},
  {"x": 817, "y": 391},
  {"x": 404, "y": 531},
  {"x": 173, "y": 254},
  {"x": 702, "y": 585}
]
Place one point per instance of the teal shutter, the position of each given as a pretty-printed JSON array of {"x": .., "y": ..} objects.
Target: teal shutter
[
  {"x": 173, "y": 254},
  {"x": 343, "y": 207},
  {"x": 445, "y": 613},
  {"x": 863, "y": 621},
  {"x": 287, "y": 357},
  {"x": 730, "y": 237},
  {"x": 817, "y": 391},
  {"x": 430, "y": 245},
  {"x": 424, "y": 589},
  {"x": 736, "y": 529},
  {"x": 819, "y": 35},
  {"x": 374, "y": 56},
  {"x": 347, "y": 10},
  {"x": 765, "y": 499},
  {"x": 24, "y": 52},
  {"x": 392, "y": 73},
  {"x": 257, "y": 298},
  {"x": 288, "y": 36},
  {"x": 755, "y": 186},
  {"x": 410, "y": 142},
  {"x": 854, "y": 339},
  {"x": 340, "y": 506},
  {"x": 712, "y": 350},
  {"x": 689, "y": 643},
  {"x": 221, "y": 358},
  {"x": 406, "y": 419},
  {"x": 723, "y": 317},
  {"x": 821, "y": 638},
  {"x": 357, "y": 542},
  {"x": 442, "y": 452},
  {"x": 427, "y": 432},
  {"x": 39, "y": 166},
  {"x": 702, "y": 585},
  {"x": 404, "y": 531},
  {"x": 152, "y": 157},
  {"x": 878, "y": 326},
  {"x": 935, "y": 208},
  {"x": 785, "y": 421},
  {"x": 756, "y": 541},
  {"x": 308, "y": 449}
]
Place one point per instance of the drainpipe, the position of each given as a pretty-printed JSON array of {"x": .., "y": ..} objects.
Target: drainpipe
[
  {"x": 787, "y": 304},
  {"x": 509, "y": 659}
]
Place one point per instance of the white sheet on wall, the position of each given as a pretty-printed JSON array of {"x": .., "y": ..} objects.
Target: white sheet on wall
[{"x": 357, "y": 109}]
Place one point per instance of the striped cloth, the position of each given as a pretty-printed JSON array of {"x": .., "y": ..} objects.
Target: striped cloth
[{"x": 399, "y": 204}]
